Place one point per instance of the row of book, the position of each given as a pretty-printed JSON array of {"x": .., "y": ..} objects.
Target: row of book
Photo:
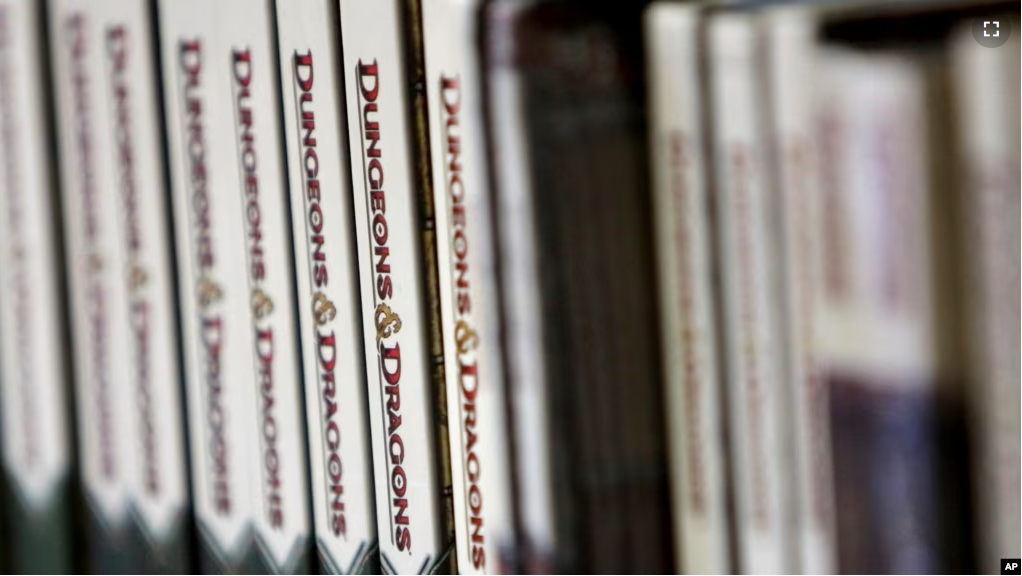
[
  {"x": 859, "y": 166},
  {"x": 515, "y": 286}
]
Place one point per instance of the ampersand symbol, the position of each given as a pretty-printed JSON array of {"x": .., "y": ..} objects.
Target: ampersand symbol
[
  {"x": 465, "y": 337},
  {"x": 387, "y": 322},
  {"x": 262, "y": 305},
  {"x": 323, "y": 309}
]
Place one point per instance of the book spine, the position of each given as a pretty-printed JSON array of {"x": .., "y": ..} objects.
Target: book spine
[
  {"x": 468, "y": 287},
  {"x": 414, "y": 46},
  {"x": 876, "y": 325},
  {"x": 744, "y": 222},
  {"x": 219, "y": 373},
  {"x": 276, "y": 466},
  {"x": 985, "y": 198},
  {"x": 688, "y": 331},
  {"x": 100, "y": 319},
  {"x": 788, "y": 63},
  {"x": 344, "y": 516},
  {"x": 518, "y": 256},
  {"x": 160, "y": 502},
  {"x": 396, "y": 257},
  {"x": 34, "y": 367}
]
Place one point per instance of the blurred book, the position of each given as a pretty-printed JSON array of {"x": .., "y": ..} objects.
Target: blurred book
[
  {"x": 904, "y": 245},
  {"x": 688, "y": 301},
  {"x": 274, "y": 433},
  {"x": 877, "y": 320},
  {"x": 130, "y": 428},
  {"x": 748, "y": 262},
  {"x": 985, "y": 90},
  {"x": 248, "y": 451},
  {"x": 788, "y": 65},
  {"x": 40, "y": 491}
]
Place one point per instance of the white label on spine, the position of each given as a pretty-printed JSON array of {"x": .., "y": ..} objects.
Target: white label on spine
[
  {"x": 393, "y": 313},
  {"x": 32, "y": 371},
  {"x": 681, "y": 194},
  {"x": 216, "y": 317},
  {"x": 276, "y": 466},
  {"x": 746, "y": 241},
  {"x": 97, "y": 259},
  {"x": 467, "y": 275},
  {"x": 328, "y": 297}
]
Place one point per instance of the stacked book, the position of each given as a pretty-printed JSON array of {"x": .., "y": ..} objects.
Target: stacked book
[{"x": 509, "y": 286}]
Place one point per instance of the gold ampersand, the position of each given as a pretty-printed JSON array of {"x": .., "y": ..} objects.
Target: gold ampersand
[
  {"x": 95, "y": 263},
  {"x": 262, "y": 305},
  {"x": 323, "y": 309},
  {"x": 209, "y": 292},
  {"x": 387, "y": 322},
  {"x": 137, "y": 278},
  {"x": 465, "y": 337}
]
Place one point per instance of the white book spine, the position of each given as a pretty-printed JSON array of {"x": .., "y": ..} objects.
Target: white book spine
[
  {"x": 876, "y": 331},
  {"x": 394, "y": 313},
  {"x": 131, "y": 93},
  {"x": 36, "y": 449},
  {"x": 876, "y": 311},
  {"x": 97, "y": 258},
  {"x": 276, "y": 441},
  {"x": 467, "y": 275},
  {"x": 788, "y": 62},
  {"x": 212, "y": 269},
  {"x": 990, "y": 215},
  {"x": 683, "y": 236},
  {"x": 329, "y": 308},
  {"x": 744, "y": 213}
]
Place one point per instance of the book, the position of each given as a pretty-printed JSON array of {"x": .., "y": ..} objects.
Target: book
[
  {"x": 395, "y": 230},
  {"x": 277, "y": 466},
  {"x": 160, "y": 503},
  {"x": 39, "y": 497},
  {"x": 344, "y": 513},
  {"x": 745, "y": 227},
  {"x": 947, "y": 298},
  {"x": 987, "y": 202},
  {"x": 568, "y": 158},
  {"x": 687, "y": 297},
  {"x": 219, "y": 369},
  {"x": 876, "y": 313},
  {"x": 468, "y": 293},
  {"x": 92, "y": 102},
  {"x": 788, "y": 65}
]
